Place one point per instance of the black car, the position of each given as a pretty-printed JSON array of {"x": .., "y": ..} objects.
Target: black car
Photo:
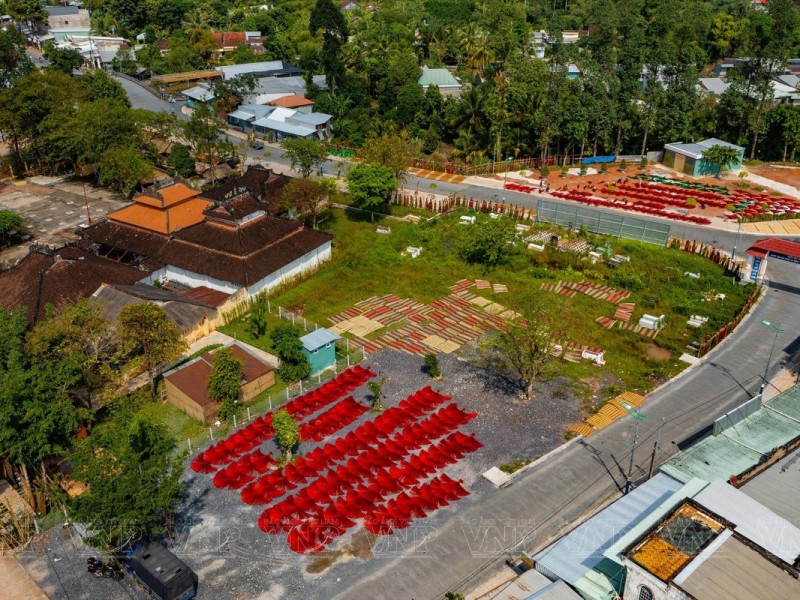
[{"x": 232, "y": 161}]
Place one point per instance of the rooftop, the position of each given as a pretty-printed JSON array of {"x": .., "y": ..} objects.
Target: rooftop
[
  {"x": 581, "y": 550},
  {"x": 192, "y": 378},
  {"x": 162, "y": 220},
  {"x": 735, "y": 571},
  {"x": 291, "y": 101},
  {"x": 778, "y": 487},
  {"x": 532, "y": 585},
  {"x": 736, "y": 449},
  {"x": 778, "y": 246},
  {"x": 166, "y": 196},
  {"x": 438, "y": 77},
  {"x": 267, "y": 68},
  {"x": 318, "y": 338},
  {"x": 59, "y": 277}
]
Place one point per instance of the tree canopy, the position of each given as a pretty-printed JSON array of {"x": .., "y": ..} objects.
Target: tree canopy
[
  {"x": 371, "y": 186},
  {"x": 287, "y": 345},
  {"x": 306, "y": 155},
  {"x": 225, "y": 381}
]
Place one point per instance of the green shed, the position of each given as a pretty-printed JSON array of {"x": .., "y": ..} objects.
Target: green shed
[
  {"x": 320, "y": 348},
  {"x": 688, "y": 158}
]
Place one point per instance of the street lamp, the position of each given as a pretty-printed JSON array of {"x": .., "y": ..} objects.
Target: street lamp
[
  {"x": 639, "y": 417},
  {"x": 776, "y": 329},
  {"x": 505, "y": 175},
  {"x": 738, "y": 237}
]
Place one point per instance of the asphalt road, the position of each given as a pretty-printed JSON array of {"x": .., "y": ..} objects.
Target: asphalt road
[
  {"x": 472, "y": 547},
  {"x": 142, "y": 98}
]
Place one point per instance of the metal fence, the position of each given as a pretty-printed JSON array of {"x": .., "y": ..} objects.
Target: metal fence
[{"x": 598, "y": 221}]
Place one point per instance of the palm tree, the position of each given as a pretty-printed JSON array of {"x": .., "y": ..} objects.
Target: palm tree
[
  {"x": 481, "y": 55},
  {"x": 471, "y": 110}
]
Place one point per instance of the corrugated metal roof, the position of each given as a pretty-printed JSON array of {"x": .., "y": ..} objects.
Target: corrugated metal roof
[
  {"x": 715, "y": 85},
  {"x": 318, "y": 338},
  {"x": 737, "y": 572},
  {"x": 743, "y": 445},
  {"x": 752, "y": 520},
  {"x": 439, "y": 77},
  {"x": 578, "y": 552},
  {"x": 314, "y": 118},
  {"x": 778, "y": 488}
]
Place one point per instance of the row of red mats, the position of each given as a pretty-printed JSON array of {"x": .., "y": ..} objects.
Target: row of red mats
[
  {"x": 354, "y": 443},
  {"x": 632, "y": 207},
  {"x": 339, "y": 416},
  {"x": 260, "y": 429},
  {"x": 662, "y": 198},
  {"x": 315, "y": 535},
  {"x": 355, "y": 501},
  {"x": 398, "y": 512},
  {"x": 332, "y": 390},
  {"x": 367, "y": 458},
  {"x": 241, "y": 472}
]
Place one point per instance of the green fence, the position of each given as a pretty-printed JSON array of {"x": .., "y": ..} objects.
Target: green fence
[{"x": 598, "y": 221}]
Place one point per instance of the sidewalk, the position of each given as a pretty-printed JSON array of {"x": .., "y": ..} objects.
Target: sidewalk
[{"x": 17, "y": 584}]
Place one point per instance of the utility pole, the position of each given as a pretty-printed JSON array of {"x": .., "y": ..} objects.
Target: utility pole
[
  {"x": 776, "y": 329},
  {"x": 639, "y": 417},
  {"x": 655, "y": 449}
]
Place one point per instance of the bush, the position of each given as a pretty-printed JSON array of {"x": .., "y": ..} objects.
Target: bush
[
  {"x": 623, "y": 164},
  {"x": 432, "y": 366},
  {"x": 544, "y": 171},
  {"x": 627, "y": 280},
  {"x": 287, "y": 345},
  {"x": 691, "y": 202}
]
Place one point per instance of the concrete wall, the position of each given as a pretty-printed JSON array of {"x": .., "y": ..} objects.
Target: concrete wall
[
  {"x": 184, "y": 403},
  {"x": 637, "y": 577}
]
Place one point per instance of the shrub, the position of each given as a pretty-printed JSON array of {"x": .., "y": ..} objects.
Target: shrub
[
  {"x": 691, "y": 202},
  {"x": 544, "y": 171},
  {"x": 432, "y": 366},
  {"x": 623, "y": 164}
]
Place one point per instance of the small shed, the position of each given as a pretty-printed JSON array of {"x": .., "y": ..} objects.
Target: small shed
[
  {"x": 688, "y": 158},
  {"x": 320, "y": 348},
  {"x": 163, "y": 574},
  {"x": 187, "y": 385}
]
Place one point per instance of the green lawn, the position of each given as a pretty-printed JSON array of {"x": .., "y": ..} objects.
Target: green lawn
[{"x": 366, "y": 264}]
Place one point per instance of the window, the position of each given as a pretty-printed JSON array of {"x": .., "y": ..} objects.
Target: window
[
  {"x": 315, "y": 351},
  {"x": 645, "y": 593},
  {"x": 328, "y": 345}
]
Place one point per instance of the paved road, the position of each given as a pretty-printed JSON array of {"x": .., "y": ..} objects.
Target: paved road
[
  {"x": 142, "y": 98},
  {"x": 471, "y": 547}
]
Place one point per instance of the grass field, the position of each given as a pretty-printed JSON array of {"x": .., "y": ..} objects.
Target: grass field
[{"x": 366, "y": 264}]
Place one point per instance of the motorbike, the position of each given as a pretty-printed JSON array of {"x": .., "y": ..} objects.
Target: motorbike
[{"x": 98, "y": 568}]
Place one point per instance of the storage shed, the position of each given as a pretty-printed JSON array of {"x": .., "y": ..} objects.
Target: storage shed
[
  {"x": 163, "y": 574},
  {"x": 187, "y": 385},
  {"x": 688, "y": 158},
  {"x": 320, "y": 348}
]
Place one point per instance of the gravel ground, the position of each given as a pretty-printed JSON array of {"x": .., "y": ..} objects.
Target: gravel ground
[{"x": 218, "y": 536}]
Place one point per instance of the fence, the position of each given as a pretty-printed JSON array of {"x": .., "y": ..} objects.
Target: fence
[
  {"x": 602, "y": 222},
  {"x": 518, "y": 164},
  {"x": 444, "y": 204},
  {"x": 710, "y": 342}
]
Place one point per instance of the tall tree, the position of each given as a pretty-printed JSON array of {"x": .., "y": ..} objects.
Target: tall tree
[
  {"x": 306, "y": 198},
  {"x": 131, "y": 476},
  {"x": 390, "y": 150},
  {"x": 721, "y": 156},
  {"x": 287, "y": 345},
  {"x": 306, "y": 155},
  {"x": 123, "y": 169},
  {"x": 205, "y": 133},
  {"x": 371, "y": 186},
  {"x": 13, "y": 60},
  {"x": 99, "y": 85},
  {"x": 522, "y": 351},
  {"x": 287, "y": 432},
  {"x": 65, "y": 60},
  {"x": 149, "y": 338},
  {"x": 328, "y": 18},
  {"x": 225, "y": 381}
]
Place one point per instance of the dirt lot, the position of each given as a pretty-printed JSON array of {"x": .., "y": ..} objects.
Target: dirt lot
[
  {"x": 53, "y": 212},
  {"x": 787, "y": 175}
]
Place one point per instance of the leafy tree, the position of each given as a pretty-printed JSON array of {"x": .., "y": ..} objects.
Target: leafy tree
[
  {"x": 721, "y": 156},
  {"x": 9, "y": 221},
  {"x": 327, "y": 16},
  {"x": 287, "y": 432},
  {"x": 131, "y": 476},
  {"x": 65, "y": 60},
  {"x": 30, "y": 11},
  {"x": 522, "y": 351},
  {"x": 13, "y": 60},
  {"x": 257, "y": 320},
  {"x": 432, "y": 366},
  {"x": 205, "y": 133},
  {"x": 79, "y": 336},
  {"x": 225, "y": 381},
  {"x": 306, "y": 155},
  {"x": 99, "y": 85},
  {"x": 376, "y": 392},
  {"x": 371, "y": 186},
  {"x": 287, "y": 345},
  {"x": 488, "y": 243},
  {"x": 243, "y": 54},
  {"x": 307, "y": 198},
  {"x": 390, "y": 150},
  {"x": 123, "y": 168},
  {"x": 149, "y": 338},
  {"x": 231, "y": 92},
  {"x": 123, "y": 62},
  {"x": 180, "y": 161}
]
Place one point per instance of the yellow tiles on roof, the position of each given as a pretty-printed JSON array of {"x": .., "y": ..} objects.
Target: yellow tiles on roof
[{"x": 661, "y": 558}]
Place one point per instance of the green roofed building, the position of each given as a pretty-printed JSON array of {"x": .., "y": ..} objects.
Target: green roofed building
[{"x": 442, "y": 78}]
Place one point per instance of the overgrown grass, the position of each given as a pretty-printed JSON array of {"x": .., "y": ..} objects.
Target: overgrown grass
[{"x": 367, "y": 264}]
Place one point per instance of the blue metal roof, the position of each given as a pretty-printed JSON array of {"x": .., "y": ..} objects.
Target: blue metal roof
[
  {"x": 318, "y": 338},
  {"x": 578, "y": 552}
]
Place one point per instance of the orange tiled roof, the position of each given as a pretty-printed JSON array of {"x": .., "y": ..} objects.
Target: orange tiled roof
[
  {"x": 293, "y": 101},
  {"x": 167, "y": 196},
  {"x": 229, "y": 38},
  {"x": 162, "y": 220}
]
